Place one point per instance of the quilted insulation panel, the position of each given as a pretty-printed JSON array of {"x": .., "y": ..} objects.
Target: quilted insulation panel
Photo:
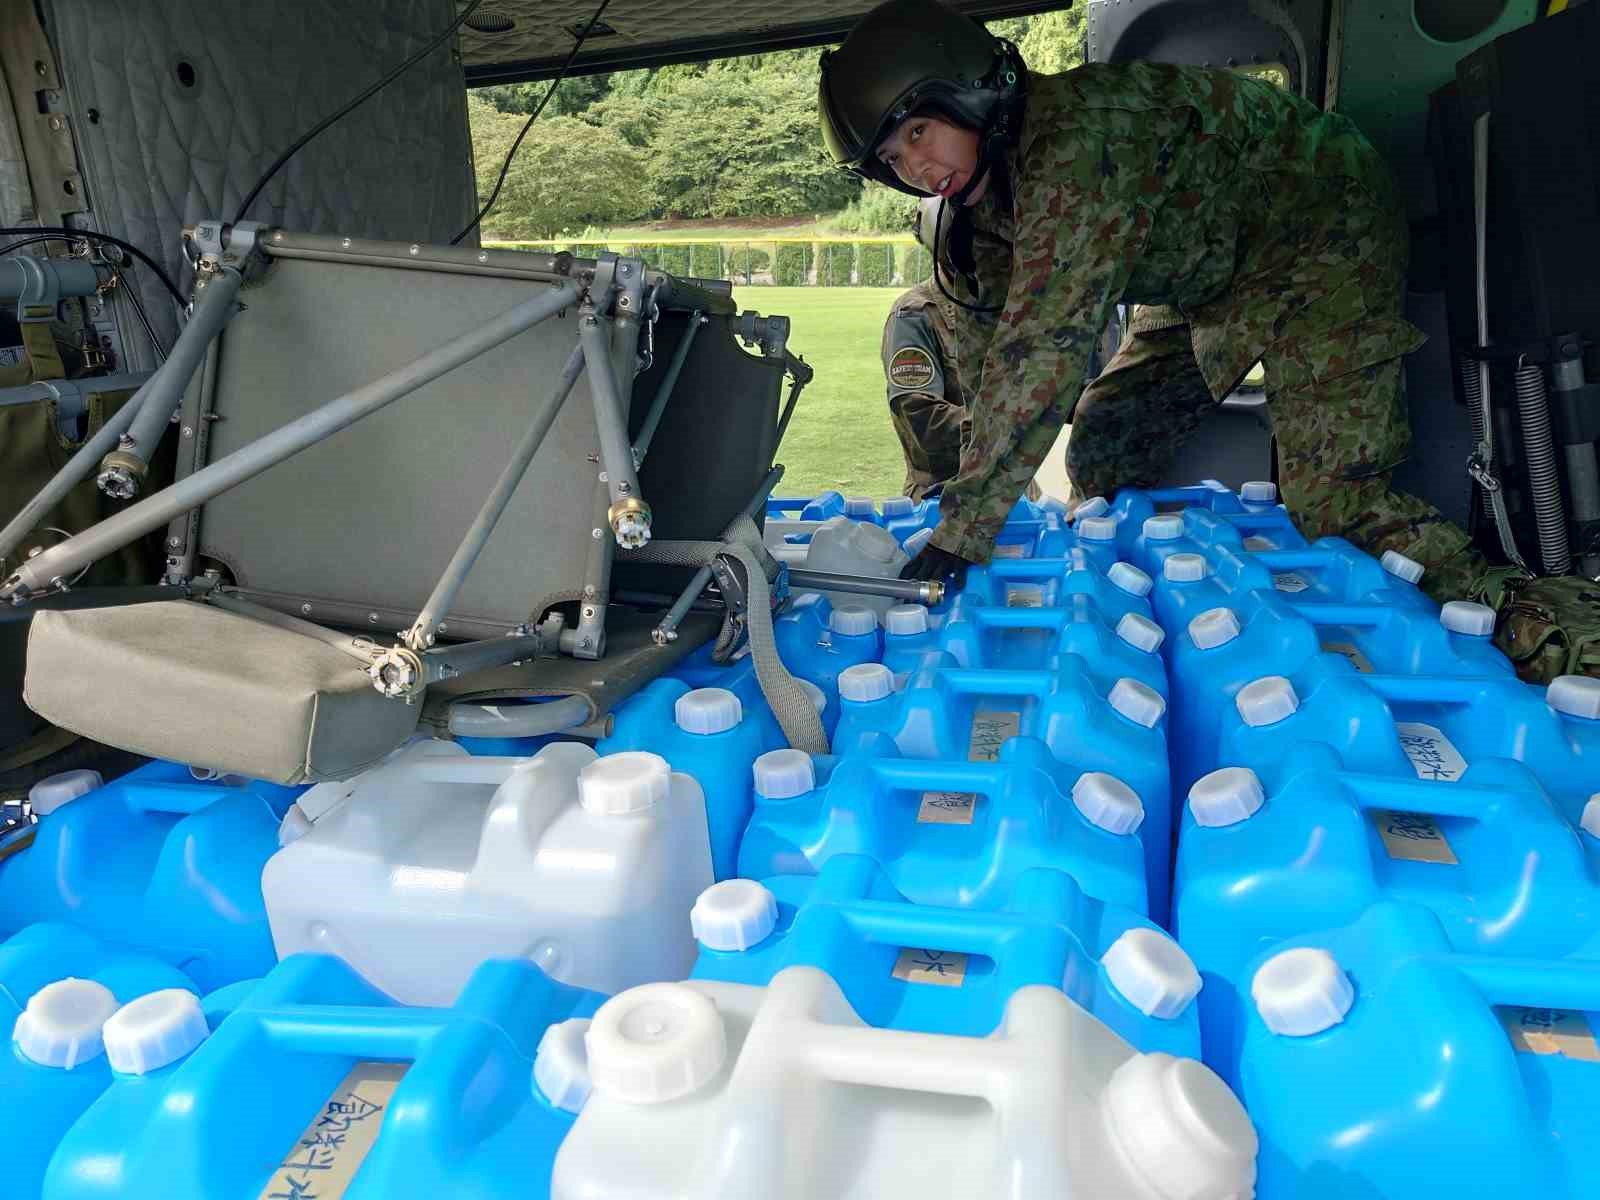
[{"x": 179, "y": 105}]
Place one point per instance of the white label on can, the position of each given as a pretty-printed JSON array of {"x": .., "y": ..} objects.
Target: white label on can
[
  {"x": 1009, "y": 550},
  {"x": 1290, "y": 581},
  {"x": 1352, "y": 654},
  {"x": 943, "y": 968},
  {"x": 12, "y": 356},
  {"x": 947, "y": 808},
  {"x": 1413, "y": 837},
  {"x": 1025, "y": 596},
  {"x": 990, "y": 731},
  {"x": 1559, "y": 1031},
  {"x": 1255, "y": 543},
  {"x": 326, "y": 1157},
  {"x": 1431, "y": 753}
]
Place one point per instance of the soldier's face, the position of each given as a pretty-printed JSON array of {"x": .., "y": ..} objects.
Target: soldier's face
[{"x": 933, "y": 156}]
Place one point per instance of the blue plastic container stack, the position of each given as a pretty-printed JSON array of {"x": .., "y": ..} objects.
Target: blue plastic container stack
[{"x": 1384, "y": 907}]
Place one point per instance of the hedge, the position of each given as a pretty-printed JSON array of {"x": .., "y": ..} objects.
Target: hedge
[
  {"x": 705, "y": 261},
  {"x": 916, "y": 264},
  {"x": 793, "y": 264},
  {"x": 875, "y": 264},
  {"x": 835, "y": 264},
  {"x": 744, "y": 260}
]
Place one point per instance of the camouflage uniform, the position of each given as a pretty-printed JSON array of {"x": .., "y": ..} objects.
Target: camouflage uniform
[
  {"x": 927, "y": 403},
  {"x": 1273, "y": 226}
]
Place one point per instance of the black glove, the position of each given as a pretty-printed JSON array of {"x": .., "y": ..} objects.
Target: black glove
[{"x": 934, "y": 563}]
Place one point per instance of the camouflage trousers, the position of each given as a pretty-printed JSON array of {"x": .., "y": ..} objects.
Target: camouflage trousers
[
  {"x": 931, "y": 430},
  {"x": 1337, "y": 439}
]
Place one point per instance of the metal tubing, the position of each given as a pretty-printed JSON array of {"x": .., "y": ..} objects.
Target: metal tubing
[
  {"x": 60, "y": 561},
  {"x": 658, "y": 406},
  {"x": 123, "y": 470},
  {"x": 910, "y": 591},
  {"x": 518, "y": 720},
  {"x": 667, "y": 630},
  {"x": 23, "y": 275},
  {"x": 1533, "y": 411},
  {"x": 611, "y": 422},
  {"x": 422, "y": 631}
]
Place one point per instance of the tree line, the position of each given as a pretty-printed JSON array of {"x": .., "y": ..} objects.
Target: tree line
[{"x": 727, "y": 139}]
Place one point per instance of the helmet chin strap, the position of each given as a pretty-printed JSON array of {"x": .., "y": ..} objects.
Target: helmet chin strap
[{"x": 981, "y": 169}]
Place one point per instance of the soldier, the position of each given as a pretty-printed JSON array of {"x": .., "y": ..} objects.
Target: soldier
[
  {"x": 927, "y": 404},
  {"x": 1273, "y": 226}
]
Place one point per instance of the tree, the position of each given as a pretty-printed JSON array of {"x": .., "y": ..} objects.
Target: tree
[{"x": 567, "y": 174}]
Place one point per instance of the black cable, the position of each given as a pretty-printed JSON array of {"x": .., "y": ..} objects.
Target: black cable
[
  {"x": 62, "y": 233},
  {"x": 121, "y": 277},
  {"x": 527, "y": 125},
  {"x": 303, "y": 139}
]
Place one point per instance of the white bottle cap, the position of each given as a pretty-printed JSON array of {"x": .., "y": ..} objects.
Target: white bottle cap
[
  {"x": 708, "y": 710},
  {"x": 733, "y": 915},
  {"x": 1163, "y": 528},
  {"x": 1139, "y": 702},
  {"x": 897, "y": 506},
  {"x": 1152, "y": 972},
  {"x": 561, "y": 1065},
  {"x": 852, "y": 620},
  {"x": 859, "y": 506},
  {"x": 905, "y": 620},
  {"x": 1575, "y": 695},
  {"x": 1130, "y": 579},
  {"x": 1184, "y": 568},
  {"x": 1463, "y": 616},
  {"x": 656, "y": 1043},
  {"x": 1226, "y": 796},
  {"x": 1259, "y": 491},
  {"x": 1180, "y": 1130},
  {"x": 782, "y": 774},
  {"x": 1301, "y": 992},
  {"x": 50, "y": 794},
  {"x": 1266, "y": 701},
  {"x": 630, "y": 782},
  {"x": 1141, "y": 632},
  {"x": 156, "y": 1029},
  {"x": 914, "y": 544},
  {"x": 1097, "y": 529},
  {"x": 1094, "y": 506},
  {"x": 818, "y": 697},
  {"x": 866, "y": 682},
  {"x": 1400, "y": 566},
  {"x": 61, "y": 1025},
  {"x": 1214, "y": 627},
  {"x": 1107, "y": 802},
  {"x": 1591, "y": 816},
  {"x": 294, "y": 826}
]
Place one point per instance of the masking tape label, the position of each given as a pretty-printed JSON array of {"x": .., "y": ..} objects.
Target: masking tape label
[
  {"x": 947, "y": 808},
  {"x": 1431, "y": 753},
  {"x": 1559, "y": 1031},
  {"x": 1255, "y": 543},
  {"x": 1351, "y": 653},
  {"x": 326, "y": 1157},
  {"x": 1024, "y": 596},
  {"x": 1290, "y": 581},
  {"x": 990, "y": 730},
  {"x": 1009, "y": 550},
  {"x": 943, "y": 968},
  {"x": 1413, "y": 837}
]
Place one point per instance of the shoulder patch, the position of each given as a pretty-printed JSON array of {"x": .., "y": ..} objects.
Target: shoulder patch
[{"x": 911, "y": 367}]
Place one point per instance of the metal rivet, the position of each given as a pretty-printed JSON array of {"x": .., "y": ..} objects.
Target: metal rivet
[
  {"x": 57, "y": 124},
  {"x": 373, "y": 617},
  {"x": 188, "y": 431},
  {"x": 624, "y": 302},
  {"x": 345, "y": 243},
  {"x": 595, "y": 534},
  {"x": 588, "y": 612},
  {"x": 444, "y": 627},
  {"x": 415, "y": 248},
  {"x": 175, "y": 543},
  {"x": 483, "y": 256},
  {"x": 305, "y": 608}
]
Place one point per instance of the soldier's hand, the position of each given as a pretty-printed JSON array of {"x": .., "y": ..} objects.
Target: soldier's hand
[{"x": 934, "y": 563}]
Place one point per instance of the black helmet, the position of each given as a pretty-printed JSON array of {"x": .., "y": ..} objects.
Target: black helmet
[{"x": 910, "y": 56}]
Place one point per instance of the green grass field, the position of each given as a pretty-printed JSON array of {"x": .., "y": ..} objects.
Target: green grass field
[{"x": 840, "y": 436}]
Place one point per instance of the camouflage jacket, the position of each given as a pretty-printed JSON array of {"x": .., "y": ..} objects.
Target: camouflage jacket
[{"x": 1152, "y": 184}]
